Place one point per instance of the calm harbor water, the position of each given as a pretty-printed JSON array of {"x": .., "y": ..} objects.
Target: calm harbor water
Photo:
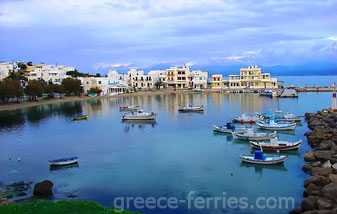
[{"x": 177, "y": 154}]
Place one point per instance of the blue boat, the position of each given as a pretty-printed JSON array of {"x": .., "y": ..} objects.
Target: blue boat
[
  {"x": 260, "y": 158},
  {"x": 63, "y": 161}
]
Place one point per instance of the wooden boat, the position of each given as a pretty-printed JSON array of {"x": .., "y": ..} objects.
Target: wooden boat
[
  {"x": 140, "y": 115},
  {"x": 63, "y": 161},
  {"x": 228, "y": 129},
  {"x": 277, "y": 126},
  {"x": 260, "y": 158},
  {"x": 246, "y": 119},
  {"x": 190, "y": 108},
  {"x": 129, "y": 108},
  {"x": 275, "y": 144},
  {"x": 80, "y": 117},
  {"x": 249, "y": 134}
]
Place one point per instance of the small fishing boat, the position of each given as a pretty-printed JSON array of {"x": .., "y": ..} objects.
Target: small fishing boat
[
  {"x": 249, "y": 134},
  {"x": 277, "y": 126},
  {"x": 260, "y": 158},
  {"x": 268, "y": 93},
  {"x": 139, "y": 115},
  {"x": 191, "y": 108},
  {"x": 129, "y": 108},
  {"x": 63, "y": 161},
  {"x": 228, "y": 129},
  {"x": 275, "y": 144},
  {"x": 271, "y": 113},
  {"x": 246, "y": 119},
  {"x": 80, "y": 117},
  {"x": 289, "y": 118}
]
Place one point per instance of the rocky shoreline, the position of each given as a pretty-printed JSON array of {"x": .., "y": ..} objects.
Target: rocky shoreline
[{"x": 321, "y": 163}]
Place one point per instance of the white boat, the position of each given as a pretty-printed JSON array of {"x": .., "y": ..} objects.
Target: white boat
[
  {"x": 260, "y": 158},
  {"x": 289, "y": 118},
  {"x": 228, "y": 129},
  {"x": 275, "y": 144},
  {"x": 246, "y": 119},
  {"x": 198, "y": 90},
  {"x": 63, "y": 161},
  {"x": 249, "y": 134},
  {"x": 277, "y": 126},
  {"x": 129, "y": 108},
  {"x": 139, "y": 115},
  {"x": 190, "y": 108}
]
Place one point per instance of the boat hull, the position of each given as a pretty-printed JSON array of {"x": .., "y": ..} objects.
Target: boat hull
[
  {"x": 80, "y": 118},
  {"x": 276, "y": 147},
  {"x": 276, "y": 128},
  {"x": 240, "y": 136},
  {"x": 63, "y": 162},
  {"x": 269, "y": 160},
  {"x": 222, "y": 129},
  {"x": 137, "y": 117}
]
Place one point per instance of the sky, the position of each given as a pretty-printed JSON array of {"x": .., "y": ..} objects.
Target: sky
[{"x": 100, "y": 34}]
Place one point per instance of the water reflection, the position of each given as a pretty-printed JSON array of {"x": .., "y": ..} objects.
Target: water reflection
[
  {"x": 65, "y": 167},
  {"x": 138, "y": 124},
  {"x": 259, "y": 168}
]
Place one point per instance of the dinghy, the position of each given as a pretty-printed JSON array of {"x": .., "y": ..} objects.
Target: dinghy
[
  {"x": 249, "y": 134},
  {"x": 191, "y": 108},
  {"x": 275, "y": 144},
  {"x": 63, "y": 161},
  {"x": 129, "y": 108},
  {"x": 246, "y": 119},
  {"x": 80, "y": 117},
  {"x": 140, "y": 115},
  {"x": 260, "y": 158},
  {"x": 228, "y": 129},
  {"x": 277, "y": 126}
]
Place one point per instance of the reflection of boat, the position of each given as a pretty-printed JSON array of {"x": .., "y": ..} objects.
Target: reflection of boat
[
  {"x": 245, "y": 119},
  {"x": 92, "y": 95},
  {"x": 190, "y": 108},
  {"x": 140, "y": 122},
  {"x": 56, "y": 167},
  {"x": 198, "y": 90},
  {"x": 260, "y": 158},
  {"x": 129, "y": 108},
  {"x": 80, "y": 117},
  {"x": 249, "y": 134},
  {"x": 63, "y": 161},
  {"x": 277, "y": 126},
  {"x": 228, "y": 129},
  {"x": 275, "y": 144},
  {"x": 259, "y": 168},
  {"x": 140, "y": 115}
]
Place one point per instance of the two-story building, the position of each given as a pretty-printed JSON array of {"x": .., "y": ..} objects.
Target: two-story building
[
  {"x": 178, "y": 77},
  {"x": 199, "y": 79},
  {"x": 138, "y": 80}
]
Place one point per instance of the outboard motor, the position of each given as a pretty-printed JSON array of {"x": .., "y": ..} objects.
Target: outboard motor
[{"x": 259, "y": 155}]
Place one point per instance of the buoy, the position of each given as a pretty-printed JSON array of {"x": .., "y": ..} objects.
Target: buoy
[
  {"x": 241, "y": 120},
  {"x": 9, "y": 158}
]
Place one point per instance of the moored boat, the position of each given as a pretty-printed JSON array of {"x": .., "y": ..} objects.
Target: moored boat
[
  {"x": 260, "y": 158},
  {"x": 246, "y": 119},
  {"x": 80, "y": 117},
  {"x": 63, "y": 161},
  {"x": 249, "y": 134},
  {"x": 275, "y": 144},
  {"x": 129, "y": 108},
  {"x": 289, "y": 118},
  {"x": 277, "y": 126},
  {"x": 228, "y": 129},
  {"x": 139, "y": 115},
  {"x": 191, "y": 108}
]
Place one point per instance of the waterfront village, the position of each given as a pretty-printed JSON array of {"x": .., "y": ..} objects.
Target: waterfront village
[{"x": 177, "y": 78}]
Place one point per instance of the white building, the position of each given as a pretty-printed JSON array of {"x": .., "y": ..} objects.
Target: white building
[
  {"x": 93, "y": 82},
  {"x": 117, "y": 83},
  {"x": 138, "y": 80},
  {"x": 50, "y": 73},
  {"x": 199, "y": 79},
  {"x": 6, "y": 68},
  {"x": 178, "y": 77}
]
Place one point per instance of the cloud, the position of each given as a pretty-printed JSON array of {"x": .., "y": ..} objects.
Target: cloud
[
  {"x": 333, "y": 38},
  {"x": 235, "y": 57},
  {"x": 249, "y": 52},
  {"x": 189, "y": 63},
  {"x": 110, "y": 65}
]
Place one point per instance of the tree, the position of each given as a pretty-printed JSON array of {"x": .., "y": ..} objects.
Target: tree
[
  {"x": 59, "y": 89},
  {"x": 71, "y": 86},
  {"x": 34, "y": 89},
  {"x": 49, "y": 89},
  {"x": 75, "y": 74},
  {"x": 18, "y": 89},
  {"x": 10, "y": 88},
  {"x": 98, "y": 75},
  {"x": 22, "y": 66},
  {"x": 30, "y": 63},
  {"x": 95, "y": 90},
  {"x": 159, "y": 83}
]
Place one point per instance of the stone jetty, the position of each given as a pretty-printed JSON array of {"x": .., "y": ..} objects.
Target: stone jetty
[{"x": 321, "y": 163}]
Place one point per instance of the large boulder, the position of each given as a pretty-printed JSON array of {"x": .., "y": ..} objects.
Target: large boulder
[
  {"x": 321, "y": 171},
  {"x": 309, "y": 203},
  {"x": 309, "y": 156},
  {"x": 333, "y": 178},
  {"x": 324, "y": 204},
  {"x": 330, "y": 192},
  {"x": 323, "y": 155},
  {"x": 317, "y": 180},
  {"x": 326, "y": 164},
  {"x": 43, "y": 189},
  {"x": 312, "y": 189},
  {"x": 325, "y": 145}
]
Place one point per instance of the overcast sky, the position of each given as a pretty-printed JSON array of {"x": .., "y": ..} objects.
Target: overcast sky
[{"x": 93, "y": 34}]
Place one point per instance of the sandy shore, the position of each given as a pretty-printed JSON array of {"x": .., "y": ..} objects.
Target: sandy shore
[{"x": 24, "y": 104}]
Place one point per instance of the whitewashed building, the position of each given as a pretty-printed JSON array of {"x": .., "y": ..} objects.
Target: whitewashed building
[
  {"x": 199, "y": 79},
  {"x": 6, "y": 68},
  {"x": 138, "y": 80},
  {"x": 50, "y": 73}
]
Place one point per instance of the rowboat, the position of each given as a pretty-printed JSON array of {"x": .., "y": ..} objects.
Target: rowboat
[
  {"x": 228, "y": 129},
  {"x": 190, "y": 108},
  {"x": 260, "y": 158},
  {"x": 129, "y": 108},
  {"x": 246, "y": 119},
  {"x": 277, "y": 126},
  {"x": 275, "y": 144},
  {"x": 249, "y": 134},
  {"x": 140, "y": 115},
  {"x": 63, "y": 161},
  {"x": 80, "y": 117}
]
